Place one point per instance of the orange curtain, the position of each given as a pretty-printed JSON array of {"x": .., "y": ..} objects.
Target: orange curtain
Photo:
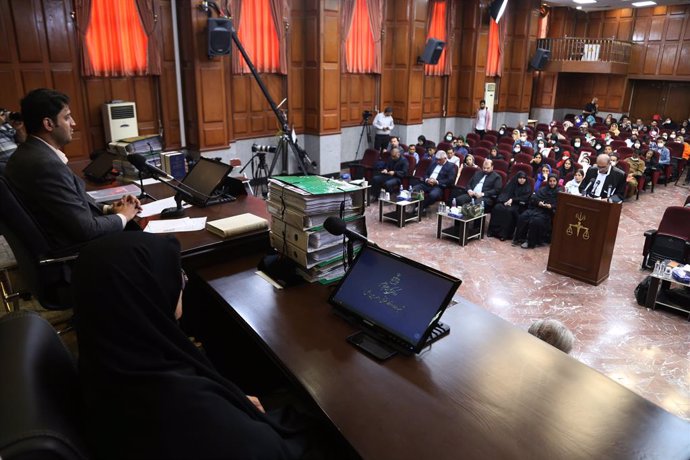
[
  {"x": 437, "y": 29},
  {"x": 360, "y": 56},
  {"x": 257, "y": 32},
  {"x": 493, "y": 54},
  {"x": 115, "y": 39}
]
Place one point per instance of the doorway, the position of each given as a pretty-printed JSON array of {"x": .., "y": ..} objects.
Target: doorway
[{"x": 666, "y": 98}]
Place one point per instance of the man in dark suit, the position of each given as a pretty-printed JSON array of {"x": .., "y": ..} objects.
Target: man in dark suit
[
  {"x": 438, "y": 177},
  {"x": 391, "y": 176},
  {"x": 48, "y": 188},
  {"x": 604, "y": 181},
  {"x": 485, "y": 185}
]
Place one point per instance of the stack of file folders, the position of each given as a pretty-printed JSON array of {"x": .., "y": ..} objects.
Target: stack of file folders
[{"x": 299, "y": 205}]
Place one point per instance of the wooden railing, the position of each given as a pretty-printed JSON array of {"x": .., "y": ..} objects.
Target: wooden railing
[{"x": 586, "y": 49}]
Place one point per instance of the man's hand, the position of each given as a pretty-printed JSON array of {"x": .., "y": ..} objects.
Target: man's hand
[
  {"x": 509, "y": 202},
  {"x": 128, "y": 206},
  {"x": 257, "y": 403}
]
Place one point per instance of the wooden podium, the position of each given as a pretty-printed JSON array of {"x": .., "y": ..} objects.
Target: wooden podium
[{"x": 584, "y": 234}]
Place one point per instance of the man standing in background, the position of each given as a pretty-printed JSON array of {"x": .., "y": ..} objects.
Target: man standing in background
[
  {"x": 482, "y": 121},
  {"x": 383, "y": 123}
]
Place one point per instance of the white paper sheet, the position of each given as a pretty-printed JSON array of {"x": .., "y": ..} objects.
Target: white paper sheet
[
  {"x": 155, "y": 207},
  {"x": 186, "y": 224}
]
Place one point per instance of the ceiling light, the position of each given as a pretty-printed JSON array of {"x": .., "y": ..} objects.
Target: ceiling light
[
  {"x": 640, "y": 4},
  {"x": 585, "y": 2}
]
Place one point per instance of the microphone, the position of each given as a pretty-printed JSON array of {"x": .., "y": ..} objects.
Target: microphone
[
  {"x": 584, "y": 192},
  {"x": 337, "y": 226},
  {"x": 139, "y": 162}
]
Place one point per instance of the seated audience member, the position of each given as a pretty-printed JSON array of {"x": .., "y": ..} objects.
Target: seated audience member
[
  {"x": 423, "y": 142},
  {"x": 438, "y": 177},
  {"x": 509, "y": 204},
  {"x": 534, "y": 225},
  {"x": 391, "y": 176},
  {"x": 516, "y": 137},
  {"x": 542, "y": 177},
  {"x": 566, "y": 168},
  {"x": 48, "y": 188},
  {"x": 448, "y": 137},
  {"x": 469, "y": 160},
  {"x": 614, "y": 131},
  {"x": 394, "y": 142},
  {"x": 554, "y": 333},
  {"x": 573, "y": 186},
  {"x": 430, "y": 153},
  {"x": 555, "y": 132},
  {"x": 452, "y": 158},
  {"x": 524, "y": 142},
  {"x": 148, "y": 392},
  {"x": 664, "y": 153},
  {"x": 412, "y": 152},
  {"x": 495, "y": 154},
  {"x": 503, "y": 130},
  {"x": 485, "y": 185},
  {"x": 8, "y": 140},
  {"x": 636, "y": 171},
  {"x": 608, "y": 120},
  {"x": 651, "y": 166},
  {"x": 459, "y": 146},
  {"x": 536, "y": 162},
  {"x": 604, "y": 181},
  {"x": 541, "y": 148},
  {"x": 685, "y": 156},
  {"x": 577, "y": 145}
]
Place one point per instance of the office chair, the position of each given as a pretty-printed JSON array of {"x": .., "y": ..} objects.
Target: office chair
[
  {"x": 39, "y": 404},
  {"x": 671, "y": 240},
  {"x": 46, "y": 274}
]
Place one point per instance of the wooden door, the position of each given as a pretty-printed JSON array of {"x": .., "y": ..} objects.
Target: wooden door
[
  {"x": 678, "y": 101},
  {"x": 648, "y": 98}
]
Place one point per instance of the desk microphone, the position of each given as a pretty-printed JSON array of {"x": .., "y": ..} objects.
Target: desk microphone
[
  {"x": 585, "y": 191},
  {"x": 337, "y": 226},
  {"x": 139, "y": 162}
]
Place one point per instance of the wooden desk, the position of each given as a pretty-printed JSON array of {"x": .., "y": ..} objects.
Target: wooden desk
[{"x": 487, "y": 391}]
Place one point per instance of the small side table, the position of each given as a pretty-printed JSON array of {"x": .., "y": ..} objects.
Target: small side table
[
  {"x": 659, "y": 297},
  {"x": 400, "y": 215},
  {"x": 460, "y": 230}
]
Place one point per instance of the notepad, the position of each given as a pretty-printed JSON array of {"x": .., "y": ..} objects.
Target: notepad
[{"x": 236, "y": 225}]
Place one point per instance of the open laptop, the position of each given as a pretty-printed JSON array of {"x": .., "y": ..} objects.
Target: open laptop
[
  {"x": 397, "y": 302},
  {"x": 203, "y": 181}
]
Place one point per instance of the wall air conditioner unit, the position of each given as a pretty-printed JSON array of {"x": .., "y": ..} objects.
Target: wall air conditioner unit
[{"x": 120, "y": 121}]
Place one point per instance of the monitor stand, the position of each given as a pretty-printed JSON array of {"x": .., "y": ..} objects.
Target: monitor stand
[{"x": 382, "y": 351}]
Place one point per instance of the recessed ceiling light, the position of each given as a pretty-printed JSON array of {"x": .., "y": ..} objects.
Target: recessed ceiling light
[
  {"x": 640, "y": 4},
  {"x": 585, "y": 2}
]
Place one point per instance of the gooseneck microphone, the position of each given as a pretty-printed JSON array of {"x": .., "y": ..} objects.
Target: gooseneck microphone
[
  {"x": 337, "y": 226},
  {"x": 139, "y": 162}
]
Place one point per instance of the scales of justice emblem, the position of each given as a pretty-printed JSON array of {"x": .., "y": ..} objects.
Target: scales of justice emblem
[{"x": 577, "y": 228}]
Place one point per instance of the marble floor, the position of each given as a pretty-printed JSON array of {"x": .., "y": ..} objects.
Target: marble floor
[{"x": 647, "y": 351}]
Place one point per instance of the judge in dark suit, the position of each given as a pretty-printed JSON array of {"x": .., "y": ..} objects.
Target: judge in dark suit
[
  {"x": 438, "y": 177},
  {"x": 48, "y": 188},
  {"x": 485, "y": 185},
  {"x": 604, "y": 181}
]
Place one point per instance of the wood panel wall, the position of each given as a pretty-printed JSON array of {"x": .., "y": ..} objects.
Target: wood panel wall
[{"x": 41, "y": 50}]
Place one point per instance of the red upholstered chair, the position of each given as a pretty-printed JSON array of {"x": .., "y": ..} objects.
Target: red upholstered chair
[
  {"x": 446, "y": 191},
  {"x": 411, "y": 166},
  {"x": 551, "y": 162},
  {"x": 445, "y": 146},
  {"x": 507, "y": 155},
  {"x": 479, "y": 160},
  {"x": 501, "y": 165},
  {"x": 523, "y": 158},
  {"x": 504, "y": 177},
  {"x": 506, "y": 140},
  {"x": 671, "y": 240},
  {"x": 486, "y": 144},
  {"x": 543, "y": 127},
  {"x": 465, "y": 177},
  {"x": 524, "y": 167},
  {"x": 492, "y": 132},
  {"x": 569, "y": 148},
  {"x": 527, "y": 150},
  {"x": 420, "y": 150},
  {"x": 420, "y": 171},
  {"x": 493, "y": 138},
  {"x": 471, "y": 142},
  {"x": 474, "y": 136},
  {"x": 364, "y": 169},
  {"x": 615, "y": 145},
  {"x": 481, "y": 151},
  {"x": 624, "y": 152}
]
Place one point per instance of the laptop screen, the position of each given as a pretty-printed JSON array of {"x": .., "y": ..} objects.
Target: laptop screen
[
  {"x": 394, "y": 295},
  {"x": 100, "y": 166},
  {"x": 205, "y": 177}
]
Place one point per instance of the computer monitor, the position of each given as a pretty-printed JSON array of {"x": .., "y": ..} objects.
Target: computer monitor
[
  {"x": 99, "y": 169},
  {"x": 204, "y": 178},
  {"x": 395, "y": 300}
]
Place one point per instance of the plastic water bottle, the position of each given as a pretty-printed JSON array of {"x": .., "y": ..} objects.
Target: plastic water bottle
[
  {"x": 657, "y": 268},
  {"x": 382, "y": 195},
  {"x": 453, "y": 204},
  {"x": 481, "y": 205},
  {"x": 401, "y": 189},
  {"x": 472, "y": 201}
]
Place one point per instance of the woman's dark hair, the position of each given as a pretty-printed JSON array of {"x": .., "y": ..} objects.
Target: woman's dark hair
[{"x": 39, "y": 104}]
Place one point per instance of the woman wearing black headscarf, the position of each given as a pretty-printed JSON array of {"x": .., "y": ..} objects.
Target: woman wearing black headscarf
[
  {"x": 149, "y": 393},
  {"x": 534, "y": 224},
  {"x": 511, "y": 202}
]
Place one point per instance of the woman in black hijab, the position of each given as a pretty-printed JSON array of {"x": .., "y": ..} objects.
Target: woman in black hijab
[
  {"x": 533, "y": 225},
  {"x": 511, "y": 202},
  {"x": 149, "y": 393}
]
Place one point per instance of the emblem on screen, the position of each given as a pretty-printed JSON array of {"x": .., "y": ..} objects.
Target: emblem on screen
[{"x": 387, "y": 291}]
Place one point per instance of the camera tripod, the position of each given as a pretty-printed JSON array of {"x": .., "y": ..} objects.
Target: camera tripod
[
  {"x": 365, "y": 127},
  {"x": 261, "y": 172}
]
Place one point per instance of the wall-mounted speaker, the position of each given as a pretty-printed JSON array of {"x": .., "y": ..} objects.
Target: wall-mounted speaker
[
  {"x": 540, "y": 58},
  {"x": 432, "y": 52},
  {"x": 219, "y": 38}
]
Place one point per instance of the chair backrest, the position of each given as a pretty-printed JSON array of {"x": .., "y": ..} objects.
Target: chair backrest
[
  {"x": 524, "y": 167},
  {"x": 527, "y": 150},
  {"x": 624, "y": 166},
  {"x": 486, "y": 144},
  {"x": 481, "y": 151},
  {"x": 625, "y": 152},
  {"x": 465, "y": 176},
  {"x": 501, "y": 165},
  {"x": 39, "y": 416},
  {"x": 523, "y": 158},
  {"x": 551, "y": 162},
  {"x": 490, "y": 138},
  {"x": 675, "y": 148},
  {"x": 370, "y": 157},
  {"x": 675, "y": 222},
  {"x": 422, "y": 166},
  {"x": 615, "y": 145},
  {"x": 49, "y": 283},
  {"x": 504, "y": 177},
  {"x": 479, "y": 160},
  {"x": 473, "y": 136},
  {"x": 507, "y": 140},
  {"x": 444, "y": 146}
]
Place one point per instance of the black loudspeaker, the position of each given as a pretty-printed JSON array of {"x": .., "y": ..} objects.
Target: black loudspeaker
[
  {"x": 539, "y": 60},
  {"x": 432, "y": 52},
  {"x": 219, "y": 38}
]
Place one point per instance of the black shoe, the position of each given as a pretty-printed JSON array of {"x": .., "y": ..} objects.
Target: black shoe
[{"x": 502, "y": 238}]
